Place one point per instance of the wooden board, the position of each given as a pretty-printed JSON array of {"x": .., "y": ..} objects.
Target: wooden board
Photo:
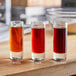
[
  {"x": 72, "y": 28},
  {"x": 19, "y": 2},
  {"x": 35, "y": 2},
  {"x": 48, "y": 67}
]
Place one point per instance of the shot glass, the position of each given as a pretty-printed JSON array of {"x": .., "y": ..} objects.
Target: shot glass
[
  {"x": 59, "y": 40},
  {"x": 38, "y": 41},
  {"x": 60, "y": 18},
  {"x": 16, "y": 41}
]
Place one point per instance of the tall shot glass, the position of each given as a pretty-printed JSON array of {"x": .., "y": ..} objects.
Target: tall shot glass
[
  {"x": 60, "y": 18},
  {"x": 38, "y": 41},
  {"x": 59, "y": 40},
  {"x": 16, "y": 41}
]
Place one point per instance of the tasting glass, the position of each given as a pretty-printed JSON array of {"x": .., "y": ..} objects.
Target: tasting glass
[
  {"x": 38, "y": 41},
  {"x": 59, "y": 39},
  {"x": 16, "y": 41},
  {"x": 60, "y": 18}
]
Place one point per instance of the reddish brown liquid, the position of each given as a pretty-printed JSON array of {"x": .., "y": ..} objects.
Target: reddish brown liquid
[
  {"x": 16, "y": 39},
  {"x": 59, "y": 43},
  {"x": 38, "y": 40}
]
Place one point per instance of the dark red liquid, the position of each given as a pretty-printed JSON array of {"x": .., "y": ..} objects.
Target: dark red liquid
[
  {"x": 59, "y": 43},
  {"x": 38, "y": 40}
]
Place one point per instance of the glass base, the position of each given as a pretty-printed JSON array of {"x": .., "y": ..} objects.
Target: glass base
[
  {"x": 38, "y": 56},
  {"x": 16, "y": 57},
  {"x": 59, "y": 56}
]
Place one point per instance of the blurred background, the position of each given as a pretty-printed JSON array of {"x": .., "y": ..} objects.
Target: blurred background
[{"x": 28, "y": 11}]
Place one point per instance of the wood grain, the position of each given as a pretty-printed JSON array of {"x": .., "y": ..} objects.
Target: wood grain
[{"x": 48, "y": 67}]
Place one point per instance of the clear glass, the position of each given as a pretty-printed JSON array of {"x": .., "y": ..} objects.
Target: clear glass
[
  {"x": 38, "y": 41},
  {"x": 16, "y": 41},
  {"x": 59, "y": 40},
  {"x": 60, "y": 18}
]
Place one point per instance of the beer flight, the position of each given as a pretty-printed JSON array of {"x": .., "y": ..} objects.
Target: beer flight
[{"x": 38, "y": 42}]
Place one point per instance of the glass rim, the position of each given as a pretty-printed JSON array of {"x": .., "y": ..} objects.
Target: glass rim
[
  {"x": 16, "y": 23},
  {"x": 37, "y": 23}
]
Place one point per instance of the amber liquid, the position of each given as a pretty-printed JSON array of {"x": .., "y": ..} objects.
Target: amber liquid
[{"x": 16, "y": 39}]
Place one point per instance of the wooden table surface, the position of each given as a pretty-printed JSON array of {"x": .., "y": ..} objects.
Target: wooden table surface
[{"x": 48, "y": 67}]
